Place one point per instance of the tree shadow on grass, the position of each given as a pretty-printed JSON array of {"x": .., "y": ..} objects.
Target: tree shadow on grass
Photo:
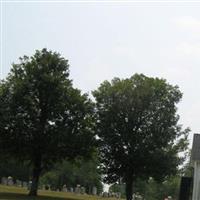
[{"x": 17, "y": 196}]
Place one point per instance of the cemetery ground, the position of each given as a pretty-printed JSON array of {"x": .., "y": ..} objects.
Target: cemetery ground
[{"x": 16, "y": 193}]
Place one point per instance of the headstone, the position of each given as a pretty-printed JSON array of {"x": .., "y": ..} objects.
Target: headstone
[
  {"x": 118, "y": 195},
  {"x": 105, "y": 194},
  {"x": 82, "y": 190},
  {"x": 18, "y": 183},
  {"x": 10, "y": 181},
  {"x": 64, "y": 189},
  {"x": 24, "y": 184},
  {"x": 78, "y": 189},
  {"x": 29, "y": 185},
  {"x": 4, "y": 181},
  {"x": 196, "y": 163},
  {"x": 94, "y": 190},
  {"x": 71, "y": 189}
]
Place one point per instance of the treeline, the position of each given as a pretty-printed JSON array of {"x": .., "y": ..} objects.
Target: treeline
[
  {"x": 151, "y": 189},
  {"x": 132, "y": 124},
  {"x": 71, "y": 174}
]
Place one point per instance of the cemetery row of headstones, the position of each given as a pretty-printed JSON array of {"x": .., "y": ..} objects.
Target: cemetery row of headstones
[
  {"x": 81, "y": 190},
  {"x": 77, "y": 190},
  {"x": 10, "y": 182}
]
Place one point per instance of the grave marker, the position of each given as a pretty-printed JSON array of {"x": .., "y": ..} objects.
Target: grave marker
[
  {"x": 10, "y": 181},
  {"x": 4, "y": 181},
  {"x": 94, "y": 190},
  {"x": 196, "y": 163}
]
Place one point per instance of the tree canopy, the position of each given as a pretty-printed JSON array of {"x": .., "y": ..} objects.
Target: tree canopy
[
  {"x": 43, "y": 117},
  {"x": 138, "y": 129}
]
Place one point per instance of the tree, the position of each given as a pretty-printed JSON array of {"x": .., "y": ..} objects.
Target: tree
[
  {"x": 138, "y": 129},
  {"x": 84, "y": 173},
  {"x": 188, "y": 169},
  {"x": 12, "y": 167},
  {"x": 118, "y": 188},
  {"x": 43, "y": 118},
  {"x": 151, "y": 189}
]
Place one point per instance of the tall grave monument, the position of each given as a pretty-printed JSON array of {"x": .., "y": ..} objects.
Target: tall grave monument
[{"x": 196, "y": 163}]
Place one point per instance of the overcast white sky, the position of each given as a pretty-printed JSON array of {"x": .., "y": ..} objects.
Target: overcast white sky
[{"x": 106, "y": 40}]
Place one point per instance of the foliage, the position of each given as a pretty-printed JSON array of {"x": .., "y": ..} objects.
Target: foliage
[
  {"x": 116, "y": 187},
  {"x": 188, "y": 169},
  {"x": 153, "y": 190},
  {"x": 9, "y": 166},
  {"x": 138, "y": 129},
  {"x": 156, "y": 191},
  {"x": 43, "y": 118},
  {"x": 81, "y": 172}
]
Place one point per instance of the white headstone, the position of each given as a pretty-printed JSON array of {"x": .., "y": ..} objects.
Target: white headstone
[
  {"x": 10, "y": 181},
  {"x": 82, "y": 190},
  {"x": 94, "y": 190},
  {"x": 24, "y": 184},
  {"x": 78, "y": 189},
  {"x": 64, "y": 189},
  {"x": 71, "y": 189}
]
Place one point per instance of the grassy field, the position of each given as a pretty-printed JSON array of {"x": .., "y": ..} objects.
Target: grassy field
[{"x": 16, "y": 193}]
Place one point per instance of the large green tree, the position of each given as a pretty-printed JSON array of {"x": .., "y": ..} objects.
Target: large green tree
[
  {"x": 138, "y": 129},
  {"x": 44, "y": 119}
]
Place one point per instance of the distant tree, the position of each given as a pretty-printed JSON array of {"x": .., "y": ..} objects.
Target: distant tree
[
  {"x": 157, "y": 191},
  {"x": 82, "y": 172},
  {"x": 138, "y": 130},
  {"x": 151, "y": 189},
  {"x": 188, "y": 168},
  {"x": 42, "y": 117},
  {"x": 116, "y": 187},
  {"x": 10, "y": 166}
]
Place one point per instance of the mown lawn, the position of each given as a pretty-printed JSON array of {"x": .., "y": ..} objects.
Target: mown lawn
[{"x": 16, "y": 193}]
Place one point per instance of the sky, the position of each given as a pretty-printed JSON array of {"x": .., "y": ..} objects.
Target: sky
[{"x": 108, "y": 39}]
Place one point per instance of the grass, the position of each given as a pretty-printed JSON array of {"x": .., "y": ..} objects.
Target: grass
[{"x": 17, "y": 193}]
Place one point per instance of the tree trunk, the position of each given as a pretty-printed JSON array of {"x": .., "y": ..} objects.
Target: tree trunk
[
  {"x": 129, "y": 188},
  {"x": 35, "y": 178}
]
